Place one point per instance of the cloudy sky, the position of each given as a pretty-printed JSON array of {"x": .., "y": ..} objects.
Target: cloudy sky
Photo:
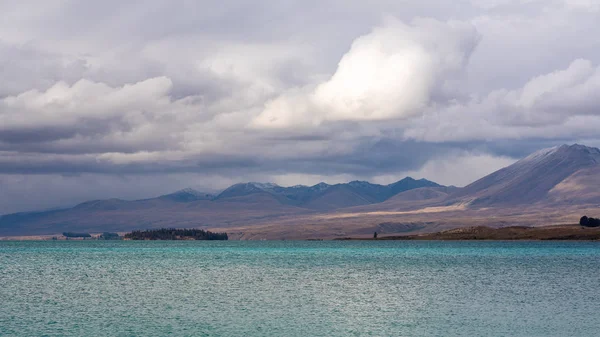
[{"x": 132, "y": 99}]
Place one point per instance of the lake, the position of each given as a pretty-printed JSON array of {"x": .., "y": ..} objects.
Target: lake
[{"x": 286, "y": 288}]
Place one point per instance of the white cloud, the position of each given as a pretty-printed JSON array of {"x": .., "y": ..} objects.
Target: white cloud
[
  {"x": 390, "y": 73},
  {"x": 553, "y": 105},
  {"x": 539, "y": 88},
  {"x": 63, "y": 104}
]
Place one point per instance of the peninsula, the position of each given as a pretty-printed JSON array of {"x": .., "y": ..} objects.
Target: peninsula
[{"x": 558, "y": 232}]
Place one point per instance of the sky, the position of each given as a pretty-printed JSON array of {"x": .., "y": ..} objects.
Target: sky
[{"x": 133, "y": 99}]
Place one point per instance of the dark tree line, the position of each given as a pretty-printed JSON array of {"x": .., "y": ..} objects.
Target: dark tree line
[
  {"x": 589, "y": 222},
  {"x": 175, "y": 234},
  {"x": 76, "y": 235},
  {"x": 109, "y": 236}
]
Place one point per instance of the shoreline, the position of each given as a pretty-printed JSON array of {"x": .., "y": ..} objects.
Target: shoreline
[
  {"x": 476, "y": 233},
  {"x": 511, "y": 233}
]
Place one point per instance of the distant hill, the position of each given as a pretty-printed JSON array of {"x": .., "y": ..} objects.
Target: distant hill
[
  {"x": 410, "y": 200},
  {"x": 122, "y": 216},
  {"x": 424, "y": 194},
  {"x": 550, "y": 175},
  {"x": 187, "y": 195}
]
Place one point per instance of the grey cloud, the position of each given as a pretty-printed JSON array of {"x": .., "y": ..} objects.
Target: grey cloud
[
  {"x": 369, "y": 158},
  {"x": 12, "y": 137},
  {"x": 171, "y": 90},
  {"x": 23, "y": 67}
]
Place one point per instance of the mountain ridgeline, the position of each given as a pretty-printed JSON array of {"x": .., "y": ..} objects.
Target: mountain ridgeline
[
  {"x": 555, "y": 185},
  {"x": 349, "y": 194},
  {"x": 327, "y": 197}
]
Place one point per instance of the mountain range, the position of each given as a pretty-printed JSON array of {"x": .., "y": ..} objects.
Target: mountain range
[
  {"x": 191, "y": 208},
  {"x": 550, "y": 186}
]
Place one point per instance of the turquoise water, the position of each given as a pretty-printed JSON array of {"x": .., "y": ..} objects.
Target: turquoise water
[{"x": 103, "y": 288}]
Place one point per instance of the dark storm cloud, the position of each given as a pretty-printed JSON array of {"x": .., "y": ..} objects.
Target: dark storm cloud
[
  {"x": 384, "y": 156},
  {"x": 24, "y": 136}
]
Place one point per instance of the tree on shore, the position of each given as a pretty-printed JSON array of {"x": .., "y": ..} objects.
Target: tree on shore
[
  {"x": 589, "y": 222},
  {"x": 76, "y": 235},
  {"x": 109, "y": 236}
]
